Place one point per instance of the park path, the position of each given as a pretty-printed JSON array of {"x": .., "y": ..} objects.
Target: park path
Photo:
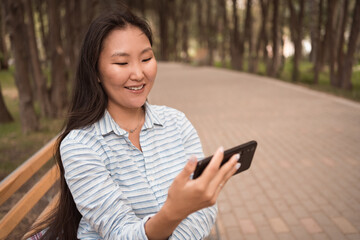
[{"x": 304, "y": 182}]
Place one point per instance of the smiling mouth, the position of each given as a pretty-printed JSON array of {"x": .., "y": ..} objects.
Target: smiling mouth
[{"x": 136, "y": 88}]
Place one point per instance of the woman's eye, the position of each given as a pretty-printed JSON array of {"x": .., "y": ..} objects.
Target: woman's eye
[
  {"x": 146, "y": 60},
  {"x": 123, "y": 63}
]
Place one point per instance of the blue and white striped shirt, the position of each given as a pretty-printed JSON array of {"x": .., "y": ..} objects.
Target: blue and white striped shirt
[{"x": 116, "y": 187}]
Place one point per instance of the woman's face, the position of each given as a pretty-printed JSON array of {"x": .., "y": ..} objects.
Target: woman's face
[{"x": 127, "y": 67}]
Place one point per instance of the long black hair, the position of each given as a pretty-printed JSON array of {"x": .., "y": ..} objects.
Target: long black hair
[{"x": 88, "y": 105}]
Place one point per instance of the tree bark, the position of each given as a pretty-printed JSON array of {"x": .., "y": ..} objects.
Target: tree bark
[
  {"x": 162, "y": 7},
  {"x": 320, "y": 46},
  {"x": 14, "y": 11},
  {"x": 236, "y": 61},
  {"x": 39, "y": 78},
  {"x": 351, "y": 49},
  {"x": 262, "y": 35},
  {"x": 274, "y": 62},
  {"x": 5, "y": 115},
  {"x": 185, "y": 31},
  {"x": 210, "y": 34},
  {"x": 296, "y": 35},
  {"x": 59, "y": 94},
  {"x": 4, "y": 56},
  {"x": 248, "y": 35},
  {"x": 200, "y": 23},
  {"x": 340, "y": 46},
  {"x": 40, "y": 4},
  {"x": 223, "y": 25}
]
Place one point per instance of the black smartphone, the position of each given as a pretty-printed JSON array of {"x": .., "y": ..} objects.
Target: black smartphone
[{"x": 246, "y": 151}]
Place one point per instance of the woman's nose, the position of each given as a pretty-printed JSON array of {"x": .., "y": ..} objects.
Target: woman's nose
[{"x": 137, "y": 73}]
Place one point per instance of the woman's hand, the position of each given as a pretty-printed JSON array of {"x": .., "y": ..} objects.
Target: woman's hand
[{"x": 186, "y": 196}]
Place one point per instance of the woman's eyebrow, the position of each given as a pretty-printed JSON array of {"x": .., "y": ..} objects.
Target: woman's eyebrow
[{"x": 123, "y": 54}]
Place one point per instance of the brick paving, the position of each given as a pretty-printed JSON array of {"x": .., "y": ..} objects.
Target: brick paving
[{"x": 304, "y": 180}]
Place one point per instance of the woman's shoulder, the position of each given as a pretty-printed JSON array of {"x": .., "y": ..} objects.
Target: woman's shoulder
[
  {"x": 82, "y": 135},
  {"x": 166, "y": 112}
]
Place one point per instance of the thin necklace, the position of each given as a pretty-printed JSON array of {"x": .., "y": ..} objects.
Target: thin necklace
[{"x": 133, "y": 130}]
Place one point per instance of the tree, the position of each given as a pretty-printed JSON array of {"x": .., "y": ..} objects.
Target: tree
[
  {"x": 14, "y": 15},
  {"x": 351, "y": 49},
  {"x": 223, "y": 29},
  {"x": 262, "y": 38},
  {"x": 210, "y": 33},
  {"x": 185, "y": 30},
  {"x": 273, "y": 64},
  {"x": 296, "y": 23},
  {"x": 235, "y": 43},
  {"x": 163, "y": 12},
  {"x": 59, "y": 93},
  {"x": 3, "y": 49},
  {"x": 38, "y": 76},
  {"x": 248, "y": 29},
  {"x": 319, "y": 44}
]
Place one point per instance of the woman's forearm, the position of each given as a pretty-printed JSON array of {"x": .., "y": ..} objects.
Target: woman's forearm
[{"x": 161, "y": 225}]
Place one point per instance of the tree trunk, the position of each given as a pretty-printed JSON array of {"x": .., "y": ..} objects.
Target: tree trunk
[
  {"x": 59, "y": 94},
  {"x": 262, "y": 35},
  {"x": 162, "y": 7},
  {"x": 248, "y": 35},
  {"x": 4, "y": 57},
  {"x": 340, "y": 48},
  {"x": 185, "y": 31},
  {"x": 351, "y": 49},
  {"x": 16, "y": 27},
  {"x": 320, "y": 46},
  {"x": 210, "y": 33},
  {"x": 332, "y": 45},
  {"x": 223, "y": 25},
  {"x": 39, "y": 78},
  {"x": 313, "y": 30},
  {"x": 40, "y": 4},
  {"x": 200, "y": 23},
  {"x": 274, "y": 62},
  {"x": 296, "y": 35},
  {"x": 5, "y": 115},
  {"x": 236, "y": 62}
]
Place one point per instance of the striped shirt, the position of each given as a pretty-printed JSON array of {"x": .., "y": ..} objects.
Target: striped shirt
[{"x": 117, "y": 188}]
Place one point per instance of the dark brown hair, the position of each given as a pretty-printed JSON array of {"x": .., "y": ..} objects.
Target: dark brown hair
[{"x": 88, "y": 105}]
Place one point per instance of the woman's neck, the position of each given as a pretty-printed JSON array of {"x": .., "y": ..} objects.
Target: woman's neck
[{"x": 127, "y": 118}]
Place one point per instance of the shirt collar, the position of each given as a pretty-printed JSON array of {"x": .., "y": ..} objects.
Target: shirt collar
[{"x": 107, "y": 124}]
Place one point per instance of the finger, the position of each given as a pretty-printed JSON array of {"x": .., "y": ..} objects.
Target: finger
[
  {"x": 226, "y": 171},
  {"x": 227, "y": 177},
  {"x": 189, "y": 168},
  {"x": 213, "y": 167}
]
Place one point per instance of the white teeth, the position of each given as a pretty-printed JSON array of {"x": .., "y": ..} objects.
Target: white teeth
[{"x": 135, "y": 88}]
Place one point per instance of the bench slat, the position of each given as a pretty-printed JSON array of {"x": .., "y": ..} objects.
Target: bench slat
[
  {"x": 42, "y": 215},
  {"x": 19, "y": 211},
  {"x": 16, "y": 179}
]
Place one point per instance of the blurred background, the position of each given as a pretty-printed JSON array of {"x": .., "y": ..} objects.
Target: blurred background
[{"x": 314, "y": 43}]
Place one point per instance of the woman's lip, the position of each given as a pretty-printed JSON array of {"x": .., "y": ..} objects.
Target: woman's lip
[{"x": 137, "y": 91}]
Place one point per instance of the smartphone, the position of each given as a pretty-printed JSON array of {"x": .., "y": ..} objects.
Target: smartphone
[{"x": 246, "y": 151}]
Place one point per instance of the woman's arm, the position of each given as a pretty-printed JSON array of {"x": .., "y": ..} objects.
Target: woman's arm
[{"x": 187, "y": 196}]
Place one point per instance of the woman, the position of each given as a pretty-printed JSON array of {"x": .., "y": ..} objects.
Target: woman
[{"x": 126, "y": 165}]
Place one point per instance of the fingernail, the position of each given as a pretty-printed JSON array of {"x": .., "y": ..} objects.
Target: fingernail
[
  {"x": 238, "y": 165},
  {"x": 192, "y": 159},
  {"x": 221, "y": 149},
  {"x": 237, "y": 156}
]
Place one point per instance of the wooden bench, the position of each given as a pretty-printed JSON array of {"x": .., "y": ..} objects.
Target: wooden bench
[{"x": 18, "y": 178}]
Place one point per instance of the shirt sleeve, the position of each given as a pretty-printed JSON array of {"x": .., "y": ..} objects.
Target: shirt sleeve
[
  {"x": 97, "y": 197},
  {"x": 197, "y": 225}
]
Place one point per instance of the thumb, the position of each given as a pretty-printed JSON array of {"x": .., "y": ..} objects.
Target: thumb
[{"x": 188, "y": 169}]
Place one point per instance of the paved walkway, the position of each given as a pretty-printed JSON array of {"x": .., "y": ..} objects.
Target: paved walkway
[{"x": 305, "y": 179}]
